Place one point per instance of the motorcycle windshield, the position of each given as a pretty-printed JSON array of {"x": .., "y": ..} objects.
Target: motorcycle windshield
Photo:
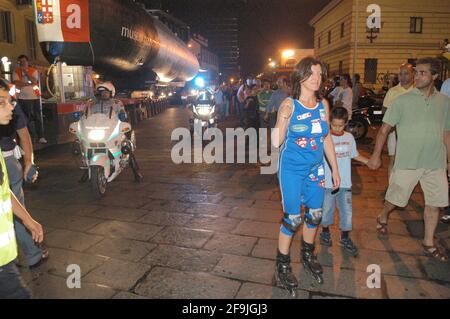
[{"x": 100, "y": 123}]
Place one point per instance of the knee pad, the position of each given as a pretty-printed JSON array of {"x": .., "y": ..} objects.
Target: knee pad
[
  {"x": 313, "y": 217},
  {"x": 291, "y": 223}
]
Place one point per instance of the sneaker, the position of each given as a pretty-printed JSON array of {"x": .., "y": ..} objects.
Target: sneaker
[
  {"x": 349, "y": 246},
  {"x": 325, "y": 239},
  {"x": 445, "y": 219},
  {"x": 42, "y": 140}
]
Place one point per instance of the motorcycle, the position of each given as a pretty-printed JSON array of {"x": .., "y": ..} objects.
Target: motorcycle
[
  {"x": 106, "y": 145},
  {"x": 359, "y": 124},
  {"x": 373, "y": 101},
  {"x": 204, "y": 114},
  {"x": 368, "y": 113}
]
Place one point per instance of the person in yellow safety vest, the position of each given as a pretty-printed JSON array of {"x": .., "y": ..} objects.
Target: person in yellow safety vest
[
  {"x": 12, "y": 285},
  {"x": 26, "y": 78}
]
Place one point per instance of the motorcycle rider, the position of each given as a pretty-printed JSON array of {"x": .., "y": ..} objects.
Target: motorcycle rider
[{"x": 104, "y": 102}]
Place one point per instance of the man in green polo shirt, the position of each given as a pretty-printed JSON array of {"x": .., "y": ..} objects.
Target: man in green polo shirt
[
  {"x": 422, "y": 120},
  {"x": 11, "y": 283},
  {"x": 263, "y": 98}
]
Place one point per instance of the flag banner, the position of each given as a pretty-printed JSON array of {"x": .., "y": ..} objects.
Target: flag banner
[{"x": 62, "y": 20}]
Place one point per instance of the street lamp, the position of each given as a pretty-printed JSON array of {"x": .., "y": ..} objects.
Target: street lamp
[
  {"x": 288, "y": 53},
  {"x": 272, "y": 64}
]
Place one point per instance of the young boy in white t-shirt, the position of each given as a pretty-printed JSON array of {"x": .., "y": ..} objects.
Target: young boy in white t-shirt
[{"x": 345, "y": 148}]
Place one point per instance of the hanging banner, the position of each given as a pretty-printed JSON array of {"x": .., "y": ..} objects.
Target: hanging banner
[{"x": 62, "y": 20}]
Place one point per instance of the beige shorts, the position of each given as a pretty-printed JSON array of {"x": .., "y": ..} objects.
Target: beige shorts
[
  {"x": 433, "y": 182},
  {"x": 391, "y": 143}
]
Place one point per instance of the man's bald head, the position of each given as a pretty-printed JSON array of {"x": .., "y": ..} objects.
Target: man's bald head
[
  {"x": 406, "y": 75},
  {"x": 407, "y": 66}
]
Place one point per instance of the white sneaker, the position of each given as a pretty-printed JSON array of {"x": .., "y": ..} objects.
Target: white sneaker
[{"x": 43, "y": 140}]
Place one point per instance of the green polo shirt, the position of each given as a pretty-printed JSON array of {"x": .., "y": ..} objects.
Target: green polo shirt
[
  {"x": 420, "y": 122},
  {"x": 263, "y": 99}
]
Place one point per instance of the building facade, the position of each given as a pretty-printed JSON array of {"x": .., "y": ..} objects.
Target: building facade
[
  {"x": 349, "y": 38},
  {"x": 18, "y": 36},
  {"x": 223, "y": 33},
  {"x": 209, "y": 62}
]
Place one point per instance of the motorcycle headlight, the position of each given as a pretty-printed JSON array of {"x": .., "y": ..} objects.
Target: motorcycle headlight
[
  {"x": 96, "y": 135},
  {"x": 203, "y": 110}
]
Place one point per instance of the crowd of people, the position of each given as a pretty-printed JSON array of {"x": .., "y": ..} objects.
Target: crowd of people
[
  {"x": 315, "y": 159},
  {"x": 19, "y": 104},
  {"x": 16, "y": 224},
  {"x": 316, "y": 152},
  {"x": 314, "y": 166}
]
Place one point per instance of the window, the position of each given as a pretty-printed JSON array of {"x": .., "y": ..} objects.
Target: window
[
  {"x": 370, "y": 70},
  {"x": 6, "y": 27},
  {"x": 341, "y": 65},
  {"x": 329, "y": 37},
  {"x": 319, "y": 42},
  {"x": 415, "y": 25},
  {"x": 31, "y": 39},
  {"x": 342, "y": 29}
]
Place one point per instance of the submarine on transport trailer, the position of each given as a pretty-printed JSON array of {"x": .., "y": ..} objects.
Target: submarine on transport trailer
[{"x": 118, "y": 38}]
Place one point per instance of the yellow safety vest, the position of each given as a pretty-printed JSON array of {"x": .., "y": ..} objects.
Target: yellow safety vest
[{"x": 8, "y": 244}]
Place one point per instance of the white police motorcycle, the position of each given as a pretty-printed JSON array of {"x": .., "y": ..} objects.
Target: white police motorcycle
[
  {"x": 106, "y": 145},
  {"x": 204, "y": 113}
]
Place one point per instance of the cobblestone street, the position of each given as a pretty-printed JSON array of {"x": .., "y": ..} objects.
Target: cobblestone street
[{"x": 210, "y": 231}]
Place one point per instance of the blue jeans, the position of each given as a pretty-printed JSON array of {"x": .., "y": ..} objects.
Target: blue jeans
[
  {"x": 343, "y": 198},
  {"x": 32, "y": 253},
  {"x": 12, "y": 285}
]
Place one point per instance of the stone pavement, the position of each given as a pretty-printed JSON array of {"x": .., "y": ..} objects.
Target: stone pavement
[{"x": 209, "y": 231}]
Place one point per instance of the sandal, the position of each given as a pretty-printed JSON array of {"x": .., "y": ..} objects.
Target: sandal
[
  {"x": 434, "y": 252},
  {"x": 381, "y": 227}
]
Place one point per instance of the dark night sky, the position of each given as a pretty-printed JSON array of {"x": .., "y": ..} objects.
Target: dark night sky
[{"x": 266, "y": 25}]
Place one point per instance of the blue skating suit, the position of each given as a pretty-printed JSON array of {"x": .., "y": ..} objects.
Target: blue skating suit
[{"x": 301, "y": 172}]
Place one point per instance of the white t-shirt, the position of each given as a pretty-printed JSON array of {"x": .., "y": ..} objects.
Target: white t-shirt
[
  {"x": 27, "y": 92},
  {"x": 241, "y": 89},
  {"x": 345, "y": 96},
  {"x": 345, "y": 148}
]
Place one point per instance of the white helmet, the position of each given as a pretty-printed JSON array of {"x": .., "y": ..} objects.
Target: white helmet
[{"x": 108, "y": 86}]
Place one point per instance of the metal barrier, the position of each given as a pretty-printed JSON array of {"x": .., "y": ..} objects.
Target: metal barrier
[{"x": 144, "y": 109}]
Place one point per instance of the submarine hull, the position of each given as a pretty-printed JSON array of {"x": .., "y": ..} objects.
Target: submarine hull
[{"x": 114, "y": 37}]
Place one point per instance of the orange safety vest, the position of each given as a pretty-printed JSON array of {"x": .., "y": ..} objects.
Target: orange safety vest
[{"x": 30, "y": 72}]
